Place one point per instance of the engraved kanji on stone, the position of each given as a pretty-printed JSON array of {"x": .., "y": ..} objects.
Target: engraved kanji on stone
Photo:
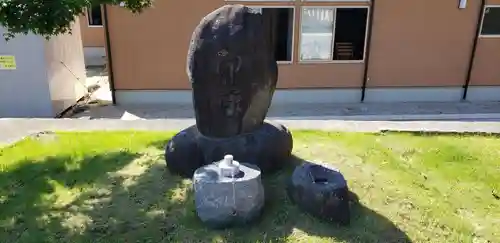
[
  {"x": 231, "y": 103},
  {"x": 228, "y": 67}
]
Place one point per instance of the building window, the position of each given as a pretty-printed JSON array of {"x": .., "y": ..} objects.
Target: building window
[
  {"x": 336, "y": 0},
  {"x": 94, "y": 16},
  {"x": 282, "y": 19},
  {"x": 491, "y": 21},
  {"x": 333, "y": 34}
]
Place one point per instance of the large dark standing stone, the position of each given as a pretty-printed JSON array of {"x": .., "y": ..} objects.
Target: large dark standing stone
[
  {"x": 233, "y": 71},
  {"x": 320, "y": 191}
]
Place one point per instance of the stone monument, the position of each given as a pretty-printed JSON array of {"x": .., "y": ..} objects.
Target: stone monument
[
  {"x": 321, "y": 191},
  {"x": 233, "y": 74},
  {"x": 228, "y": 193}
]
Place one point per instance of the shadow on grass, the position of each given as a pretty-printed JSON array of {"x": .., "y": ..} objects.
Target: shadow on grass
[
  {"x": 25, "y": 190},
  {"x": 282, "y": 218},
  {"x": 366, "y": 226},
  {"x": 160, "y": 144},
  {"x": 130, "y": 197}
]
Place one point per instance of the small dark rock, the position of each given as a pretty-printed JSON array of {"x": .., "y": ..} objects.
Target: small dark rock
[{"x": 321, "y": 192}]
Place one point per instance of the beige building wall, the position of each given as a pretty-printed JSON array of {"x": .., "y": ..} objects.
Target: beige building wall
[
  {"x": 424, "y": 43},
  {"x": 65, "y": 69},
  {"x": 485, "y": 76},
  {"x": 420, "y": 51},
  {"x": 92, "y": 36},
  {"x": 486, "y": 66},
  {"x": 94, "y": 42},
  {"x": 150, "y": 54},
  {"x": 165, "y": 49}
]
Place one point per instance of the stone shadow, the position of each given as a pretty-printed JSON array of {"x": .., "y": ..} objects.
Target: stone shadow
[
  {"x": 25, "y": 201},
  {"x": 145, "y": 208},
  {"x": 124, "y": 197},
  {"x": 282, "y": 217},
  {"x": 133, "y": 198},
  {"x": 366, "y": 226},
  {"x": 160, "y": 144}
]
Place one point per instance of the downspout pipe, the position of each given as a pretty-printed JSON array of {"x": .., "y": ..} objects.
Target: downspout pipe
[
  {"x": 367, "y": 51},
  {"x": 111, "y": 79},
  {"x": 473, "y": 51}
]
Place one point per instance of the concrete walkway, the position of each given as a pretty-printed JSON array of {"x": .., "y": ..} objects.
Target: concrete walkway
[
  {"x": 433, "y": 117},
  {"x": 457, "y": 111},
  {"x": 12, "y": 130}
]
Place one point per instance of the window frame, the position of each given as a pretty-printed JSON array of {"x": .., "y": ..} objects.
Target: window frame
[
  {"x": 482, "y": 22},
  {"x": 333, "y": 1},
  {"x": 300, "y": 61},
  {"x": 294, "y": 14},
  {"x": 89, "y": 16},
  {"x": 262, "y": 1},
  {"x": 359, "y": 1}
]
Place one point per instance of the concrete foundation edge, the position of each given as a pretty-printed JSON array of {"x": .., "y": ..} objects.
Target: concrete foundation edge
[
  {"x": 94, "y": 56},
  {"x": 483, "y": 93},
  {"x": 290, "y": 96}
]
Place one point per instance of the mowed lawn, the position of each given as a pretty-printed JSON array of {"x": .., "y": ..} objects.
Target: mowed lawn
[{"x": 114, "y": 187}]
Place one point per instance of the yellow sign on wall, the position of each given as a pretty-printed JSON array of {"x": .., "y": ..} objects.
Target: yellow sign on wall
[{"x": 7, "y": 62}]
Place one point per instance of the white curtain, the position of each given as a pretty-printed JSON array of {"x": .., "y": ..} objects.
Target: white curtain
[{"x": 317, "y": 33}]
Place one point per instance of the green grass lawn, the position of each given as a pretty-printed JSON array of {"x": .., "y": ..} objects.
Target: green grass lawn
[{"x": 114, "y": 187}]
